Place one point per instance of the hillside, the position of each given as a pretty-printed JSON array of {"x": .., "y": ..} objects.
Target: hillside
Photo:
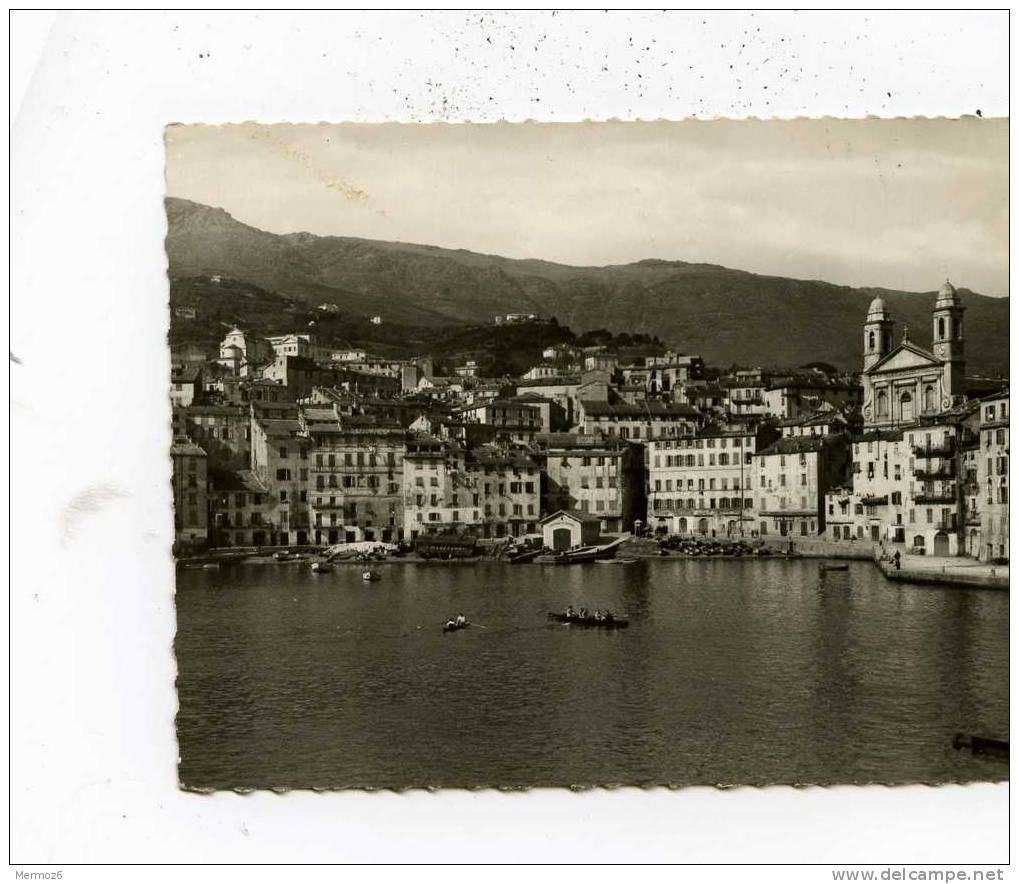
[{"x": 727, "y": 316}]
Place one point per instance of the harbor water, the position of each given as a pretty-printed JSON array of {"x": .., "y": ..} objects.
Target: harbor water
[{"x": 731, "y": 672}]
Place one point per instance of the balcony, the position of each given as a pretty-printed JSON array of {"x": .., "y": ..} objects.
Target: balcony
[
  {"x": 942, "y": 473},
  {"x": 945, "y": 448},
  {"x": 934, "y": 497},
  {"x": 874, "y": 500}
]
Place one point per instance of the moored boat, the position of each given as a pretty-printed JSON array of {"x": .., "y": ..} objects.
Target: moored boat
[
  {"x": 370, "y": 575},
  {"x": 321, "y": 567}
]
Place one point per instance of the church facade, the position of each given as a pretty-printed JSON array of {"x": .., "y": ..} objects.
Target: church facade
[
  {"x": 907, "y": 466},
  {"x": 904, "y": 383}
]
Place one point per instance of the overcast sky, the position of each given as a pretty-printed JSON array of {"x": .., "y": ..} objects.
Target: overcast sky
[{"x": 896, "y": 203}]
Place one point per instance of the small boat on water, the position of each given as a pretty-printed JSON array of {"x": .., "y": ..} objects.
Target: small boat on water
[
  {"x": 823, "y": 568},
  {"x": 625, "y": 561},
  {"x": 321, "y": 567},
  {"x": 981, "y": 745},
  {"x": 589, "y": 622},
  {"x": 370, "y": 575},
  {"x": 453, "y": 626}
]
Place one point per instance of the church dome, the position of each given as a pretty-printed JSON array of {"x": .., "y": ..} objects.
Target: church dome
[
  {"x": 947, "y": 296},
  {"x": 877, "y": 310}
]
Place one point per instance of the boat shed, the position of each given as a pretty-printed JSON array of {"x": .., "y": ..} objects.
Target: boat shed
[{"x": 566, "y": 529}]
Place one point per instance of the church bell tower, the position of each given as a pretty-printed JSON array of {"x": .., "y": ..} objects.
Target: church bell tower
[
  {"x": 877, "y": 333},
  {"x": 947, "y": 337}
]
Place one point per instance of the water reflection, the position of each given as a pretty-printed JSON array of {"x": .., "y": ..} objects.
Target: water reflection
[{"x": 730, "y": 672}]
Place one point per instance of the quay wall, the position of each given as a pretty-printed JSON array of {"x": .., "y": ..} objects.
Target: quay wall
[
  {"x": 962, "y": 575},
  {"x": 817, "y": 548}
]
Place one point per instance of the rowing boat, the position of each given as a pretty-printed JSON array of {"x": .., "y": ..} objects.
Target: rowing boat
[{"x": 588, "y": 622}]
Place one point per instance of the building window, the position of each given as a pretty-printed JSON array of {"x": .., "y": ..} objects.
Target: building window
[{"x": 882, "y": 405}]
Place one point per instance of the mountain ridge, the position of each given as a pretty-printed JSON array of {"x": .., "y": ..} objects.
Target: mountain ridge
[{"x": 726, "y": 315}]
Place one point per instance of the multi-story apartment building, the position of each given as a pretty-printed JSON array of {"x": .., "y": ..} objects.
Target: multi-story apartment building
[
  {"x": 973, "y": 509},
  {"x": 561, "y": 389},
  {"x": 223, "y": 431},
  {"x": 356, "y": 487},
  {"x": 826, "y": 421},
  {"x": 803, "y": 396},
  {"x": 744, "y": 392},
  {"x": 280, "y": 459},
  {"x": 909, "y": 486},
  {"x": 508, "y": 483},
  {"x": 185, "y": 384},
  {"x": 190, "y": 495},
  {"x": 488, "y": 492},
  {"x": 992, "y": 477},
  {"x": 600, "y": 475},
  {"x": 640, "y": 421},
  {"x": 239, "y": 509},
  {"x": 873, "y": 507},
  {"x": 703, "y": 484},
  {"x": 793, "y": 475},
  {"x": 512, "y": 419},
  {"x": 937, "y": 487}
]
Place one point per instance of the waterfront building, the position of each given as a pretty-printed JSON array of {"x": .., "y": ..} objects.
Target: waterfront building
[
  {"x": 280, "y": 461},
  {"x": 703, "y": 483},
  {"x": 973, "y": 500},
  {"x": 239, "y": 509},
  {"x": 909, "y": 485},
  {"x": 793, "y": 476},
  {"x": 874, "y": 505},
  {"x": 356, "y": 487},
  {"x": 488, "y": 492},
  {"x": 190, "y": 496},
  {"x": 509, "y": 484},
  {"x": 599, "y": 475},
  {"x": 992, "y": 477},
  {"x": 937, "y": 488},
  {"x": 566, "y": 529},
  {"x": 906, "y": 382}
]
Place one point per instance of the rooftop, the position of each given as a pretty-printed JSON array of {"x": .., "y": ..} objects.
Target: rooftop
[
  {"x": 799, "y": 445},
  {"x": 579, "y": 515},
  {"x": 650, "y": 408},
  {"x": 187, "y": 448}
]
